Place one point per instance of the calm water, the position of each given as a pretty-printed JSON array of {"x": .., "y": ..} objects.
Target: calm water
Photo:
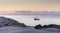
[{"x": 29, "y": 19}]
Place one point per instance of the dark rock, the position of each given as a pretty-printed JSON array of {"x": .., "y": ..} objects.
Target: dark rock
[
  {"x": 47, "y": 26},
  {"x": 10, "y": 22},
  {"x": 51, "y": 26},
  {"x": 38, "y": 26}
]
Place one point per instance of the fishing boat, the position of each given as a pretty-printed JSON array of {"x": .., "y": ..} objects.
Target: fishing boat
[{"x": 36, "y": 19}]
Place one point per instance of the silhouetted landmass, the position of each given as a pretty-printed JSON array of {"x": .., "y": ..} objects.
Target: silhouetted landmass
[
  {"x": 47, "y": 26},
  {"x": 51, "y": 26},
  {"x": 10, "y": 22},
  {"x": 38, "y": 26}
]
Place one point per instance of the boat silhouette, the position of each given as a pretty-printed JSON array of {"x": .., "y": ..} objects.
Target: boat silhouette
[{"x": 36, "y": 19}]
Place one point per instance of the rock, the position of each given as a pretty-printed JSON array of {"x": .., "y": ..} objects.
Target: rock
[
  {"x": 47, "y": 26},
  {"x": 51, "y": 26},
  {"x": 38, "y": 26},
  {"x": 10, "y": 22}
]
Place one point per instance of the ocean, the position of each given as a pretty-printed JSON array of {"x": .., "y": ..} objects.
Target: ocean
[{"x": 29, "y": 19}]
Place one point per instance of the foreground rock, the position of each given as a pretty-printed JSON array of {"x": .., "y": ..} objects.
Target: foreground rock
[
  {"x": 51, "y": 26},
  {"x": 38, "y": 26},
  {"x": 10, "y": 22},
  {"x": 47, "y": 26}
]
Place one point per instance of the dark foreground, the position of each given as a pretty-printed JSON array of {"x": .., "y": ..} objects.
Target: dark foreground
[
  {"x": 27, "y": 30},
  {"x": 8, "y": 25}
]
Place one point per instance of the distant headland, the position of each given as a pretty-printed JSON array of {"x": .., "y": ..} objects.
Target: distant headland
[{"x": 31, "y": 13}]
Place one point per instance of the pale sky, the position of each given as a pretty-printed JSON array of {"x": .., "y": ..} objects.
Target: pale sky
[{"x": 30, "y": 5}]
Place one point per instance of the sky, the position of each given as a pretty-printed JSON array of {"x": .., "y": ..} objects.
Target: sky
[
  {"x": 29, "y": 5},
  {"x": 10, "y": 6}
]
